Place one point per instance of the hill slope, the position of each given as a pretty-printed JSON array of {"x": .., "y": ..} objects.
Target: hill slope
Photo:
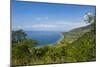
[
  {"x": 84, "y": 48},
  {"x": 74, "y": 34}
]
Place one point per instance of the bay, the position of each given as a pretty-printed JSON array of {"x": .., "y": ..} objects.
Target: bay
[{"x": 44, "y": 38}]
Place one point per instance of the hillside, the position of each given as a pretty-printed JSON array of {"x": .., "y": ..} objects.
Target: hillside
[
  {"x": 84, "y": 48},
  {"x": 72, "y": 35}
]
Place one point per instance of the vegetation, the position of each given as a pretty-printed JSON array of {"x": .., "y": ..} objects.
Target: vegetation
[
  {"x": 18, "y": 35},
  {"x": 82, "y": 47}
]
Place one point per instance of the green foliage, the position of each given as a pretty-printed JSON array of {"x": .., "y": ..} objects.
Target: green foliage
[
  {"x": 74, "y": 34},
  {"x": 90, "y": 18},
  {"x": 18, "y": 35},
  {"x": 21, "y": 54},
  {"x": 83, "y": 48}
]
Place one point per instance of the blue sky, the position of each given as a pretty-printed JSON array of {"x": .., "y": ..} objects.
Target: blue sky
[{"x": 35, "y": 16}]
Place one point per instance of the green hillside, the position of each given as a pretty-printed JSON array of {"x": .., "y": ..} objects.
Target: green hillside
[
  {"x": 79, "y": 50},
  {"x": 83, "y": 49},
  {"x": 74, "y": 34}
]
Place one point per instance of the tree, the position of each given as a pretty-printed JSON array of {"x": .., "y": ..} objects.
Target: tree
[
  {"x": 13, "y": 37},
  {"x": 18, "y": 35},
  {"x": 89, "y": 18}
]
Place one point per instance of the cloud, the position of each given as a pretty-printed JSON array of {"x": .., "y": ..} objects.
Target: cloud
[
  {"x": 43, "y": 26},
  {"x": 49, "y": 27},
  {"x": 17, "y": 27},
  {"x": 60, "y": 26},
  {"x": 57, "y": 26}
]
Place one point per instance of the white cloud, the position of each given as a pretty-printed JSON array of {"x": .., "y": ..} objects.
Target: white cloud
[
  {"x": 61, "y": 26},
  {"x": 49, "y": 27},
  {"x": 17, "y": 27},
  {"x": 43, "y": 26},
  {"x": 57, "y": 26}
]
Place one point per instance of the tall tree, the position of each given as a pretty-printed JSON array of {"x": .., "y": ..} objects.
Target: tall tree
[
  {"x": 18, "y": 35},
  {"x": 89, "y": 18}
]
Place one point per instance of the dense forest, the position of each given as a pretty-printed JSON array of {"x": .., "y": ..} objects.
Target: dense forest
[{"x": 78, "y": 45}]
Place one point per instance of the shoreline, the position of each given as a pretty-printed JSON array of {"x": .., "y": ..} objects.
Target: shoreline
[{"x": 62, "y": 37}]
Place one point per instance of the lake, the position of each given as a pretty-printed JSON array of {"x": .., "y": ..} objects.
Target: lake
[{"x": 44, "y": 37}]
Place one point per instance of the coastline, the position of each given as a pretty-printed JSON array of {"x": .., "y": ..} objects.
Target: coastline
[{"x": 62, "y": 37}]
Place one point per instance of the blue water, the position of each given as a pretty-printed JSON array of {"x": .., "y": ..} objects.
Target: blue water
[{"x": 44, "y": 37}]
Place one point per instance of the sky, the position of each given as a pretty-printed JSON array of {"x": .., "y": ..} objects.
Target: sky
[{"x": 36, "y": 16}]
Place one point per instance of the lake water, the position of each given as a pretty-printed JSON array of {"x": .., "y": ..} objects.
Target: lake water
[{"x": 44, "y": 37}]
